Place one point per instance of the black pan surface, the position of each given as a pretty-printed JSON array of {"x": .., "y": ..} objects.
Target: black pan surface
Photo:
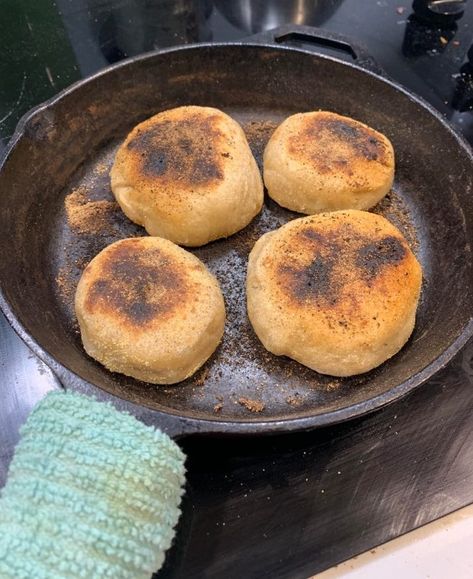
[{"x": 57, "y": 212}]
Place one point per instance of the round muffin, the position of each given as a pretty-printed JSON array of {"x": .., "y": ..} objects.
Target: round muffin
[
  {"x": 188, "y": 174},
  {"x": 321, "y": 161},
  {"x": 149, "y": 309},
  {"x": 337, "y": 292}
]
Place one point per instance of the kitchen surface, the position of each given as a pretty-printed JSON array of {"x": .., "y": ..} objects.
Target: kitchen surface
[{"x": 292, "y": 505}]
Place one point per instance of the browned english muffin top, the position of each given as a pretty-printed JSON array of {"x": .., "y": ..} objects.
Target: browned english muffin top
[
  {"x": 149, "y": 309},
  {"x": 138, "y": 284},
  {"x": 142, "y": 284},
  {"x": 348, "y": 267},
  {"x": 178, "y": 146},
  {"x": 188, "y": 175},
  {"x": 336, "y": 291},
  {"x": 328, "y": 263},
  {"x": 330, "y": 142},
  {"x": 321, "y": 161}
]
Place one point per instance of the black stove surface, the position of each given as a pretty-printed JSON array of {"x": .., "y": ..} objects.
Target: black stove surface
[{"x": 284, "y": 506}]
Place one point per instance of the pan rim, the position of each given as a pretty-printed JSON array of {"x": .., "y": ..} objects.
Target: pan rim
[
  {"x": 235, "y": 425},
  {"x": 29, "y": 115}
]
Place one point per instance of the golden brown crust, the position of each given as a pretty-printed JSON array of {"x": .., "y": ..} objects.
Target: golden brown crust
[
  {"x": 333, "y": 261},
  {"x": 182, "y": 149},
  {"x": 321, "y": 161},
  {"x": 331, "y": 142},
  {"x": 188, "y": 175},
  {"x": 138, "y": 285},
  {"x": 149, "y": 309},
  {"x": 336, "y": 291}
]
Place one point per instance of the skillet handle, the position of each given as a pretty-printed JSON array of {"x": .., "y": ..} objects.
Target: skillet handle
[
  {"x": 175, "y": 426},
  {"x": 68, "y": 381},
  {"x": 314, "y": 38}
]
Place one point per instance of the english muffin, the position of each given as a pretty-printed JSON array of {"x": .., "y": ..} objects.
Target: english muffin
[
  {"x": 188, "y": 174},
  {"x": 149, "y": 309},
  {"x": 337, "y": 292},
  {"x": 321, "y": 161}
]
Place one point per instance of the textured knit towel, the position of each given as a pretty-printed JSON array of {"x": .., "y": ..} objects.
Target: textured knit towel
[{"x": 92, "y": 492}]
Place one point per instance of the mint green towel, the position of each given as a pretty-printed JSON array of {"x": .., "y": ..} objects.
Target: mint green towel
[{"x": 91, "y": 492}]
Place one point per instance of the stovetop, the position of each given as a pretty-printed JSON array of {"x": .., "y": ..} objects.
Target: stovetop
[{"x": 284, "y": 506}]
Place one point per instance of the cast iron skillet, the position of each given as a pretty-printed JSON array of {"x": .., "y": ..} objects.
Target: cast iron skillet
[{"x": 63, "y": 150}]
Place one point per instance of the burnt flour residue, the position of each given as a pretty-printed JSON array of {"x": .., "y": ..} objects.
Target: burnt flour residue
[
  {"x": 251, "y": 405},
  {"x": 395, "y": 209},
  {"x": 258, "y": 134},
  {"x": 88, "y": 216}
]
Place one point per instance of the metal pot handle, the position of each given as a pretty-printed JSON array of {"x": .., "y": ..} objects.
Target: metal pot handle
[{"x": 314, "y": 38}]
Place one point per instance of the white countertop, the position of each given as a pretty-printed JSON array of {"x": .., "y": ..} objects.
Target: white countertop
[{"x": 440, "y": 550}]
